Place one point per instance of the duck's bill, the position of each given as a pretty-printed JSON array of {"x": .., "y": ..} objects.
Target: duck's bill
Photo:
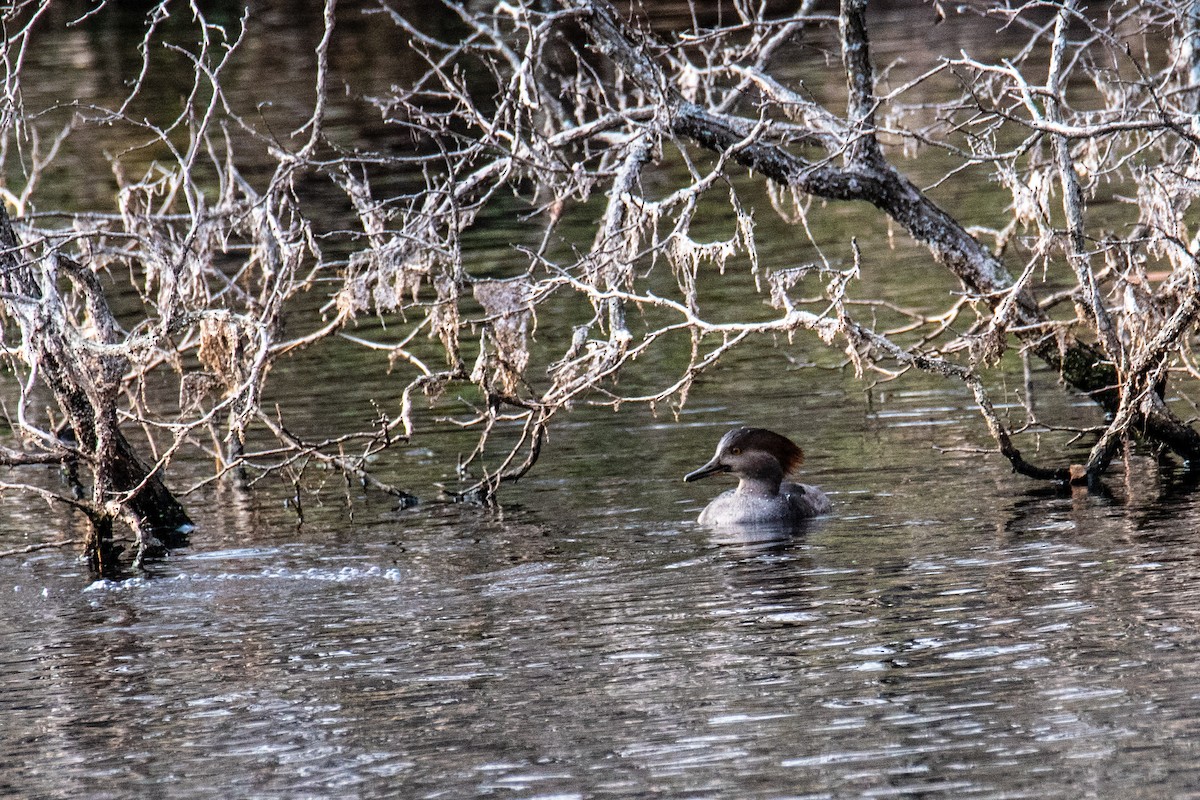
[{"x": 711, "y": 468}]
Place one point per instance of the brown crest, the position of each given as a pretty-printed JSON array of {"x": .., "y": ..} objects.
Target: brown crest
[{"x": 789, "y": 455}]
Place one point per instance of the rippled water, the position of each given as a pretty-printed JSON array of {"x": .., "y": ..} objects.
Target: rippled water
[
  {"x": 941, "y": 635},
  {"x": 950, "y": 631}
]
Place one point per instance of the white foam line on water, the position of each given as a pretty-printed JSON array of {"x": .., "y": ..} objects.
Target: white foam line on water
[{"x": 314, "y": 574}]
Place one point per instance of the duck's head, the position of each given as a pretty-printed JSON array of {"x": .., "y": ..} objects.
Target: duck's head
[{"x": 754, "y": 454}]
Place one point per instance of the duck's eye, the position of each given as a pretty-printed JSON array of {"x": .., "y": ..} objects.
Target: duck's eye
[{"x": 735, "y": 451}]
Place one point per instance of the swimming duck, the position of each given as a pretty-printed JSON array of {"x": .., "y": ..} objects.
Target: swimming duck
[{"x": 760, "y": 459}]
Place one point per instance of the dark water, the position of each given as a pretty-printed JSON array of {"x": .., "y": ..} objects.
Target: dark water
[{"x": 950, "y": 631}]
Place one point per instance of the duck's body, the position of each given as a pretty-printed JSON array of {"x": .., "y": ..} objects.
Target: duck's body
[
  {"x": 760, "y": 459},
  {"x": 791, "y": 504}
]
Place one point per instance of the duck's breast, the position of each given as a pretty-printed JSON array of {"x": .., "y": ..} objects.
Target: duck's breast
[{"x": 732, "y": 508}]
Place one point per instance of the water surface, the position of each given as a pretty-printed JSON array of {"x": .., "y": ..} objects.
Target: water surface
[{"x": 945, "y": 633}]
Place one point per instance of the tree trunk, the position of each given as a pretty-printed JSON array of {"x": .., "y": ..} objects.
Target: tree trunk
[{"x": 83, "y": 369}]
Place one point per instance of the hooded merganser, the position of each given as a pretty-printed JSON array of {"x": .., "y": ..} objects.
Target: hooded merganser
[{"x": 761, "y": 459}]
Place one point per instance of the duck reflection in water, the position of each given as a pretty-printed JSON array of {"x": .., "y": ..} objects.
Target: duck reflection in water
[{"x": 763, "y": 502}]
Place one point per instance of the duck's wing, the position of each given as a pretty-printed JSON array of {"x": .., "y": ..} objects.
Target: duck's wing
[{"x": 806, "y": 499}]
